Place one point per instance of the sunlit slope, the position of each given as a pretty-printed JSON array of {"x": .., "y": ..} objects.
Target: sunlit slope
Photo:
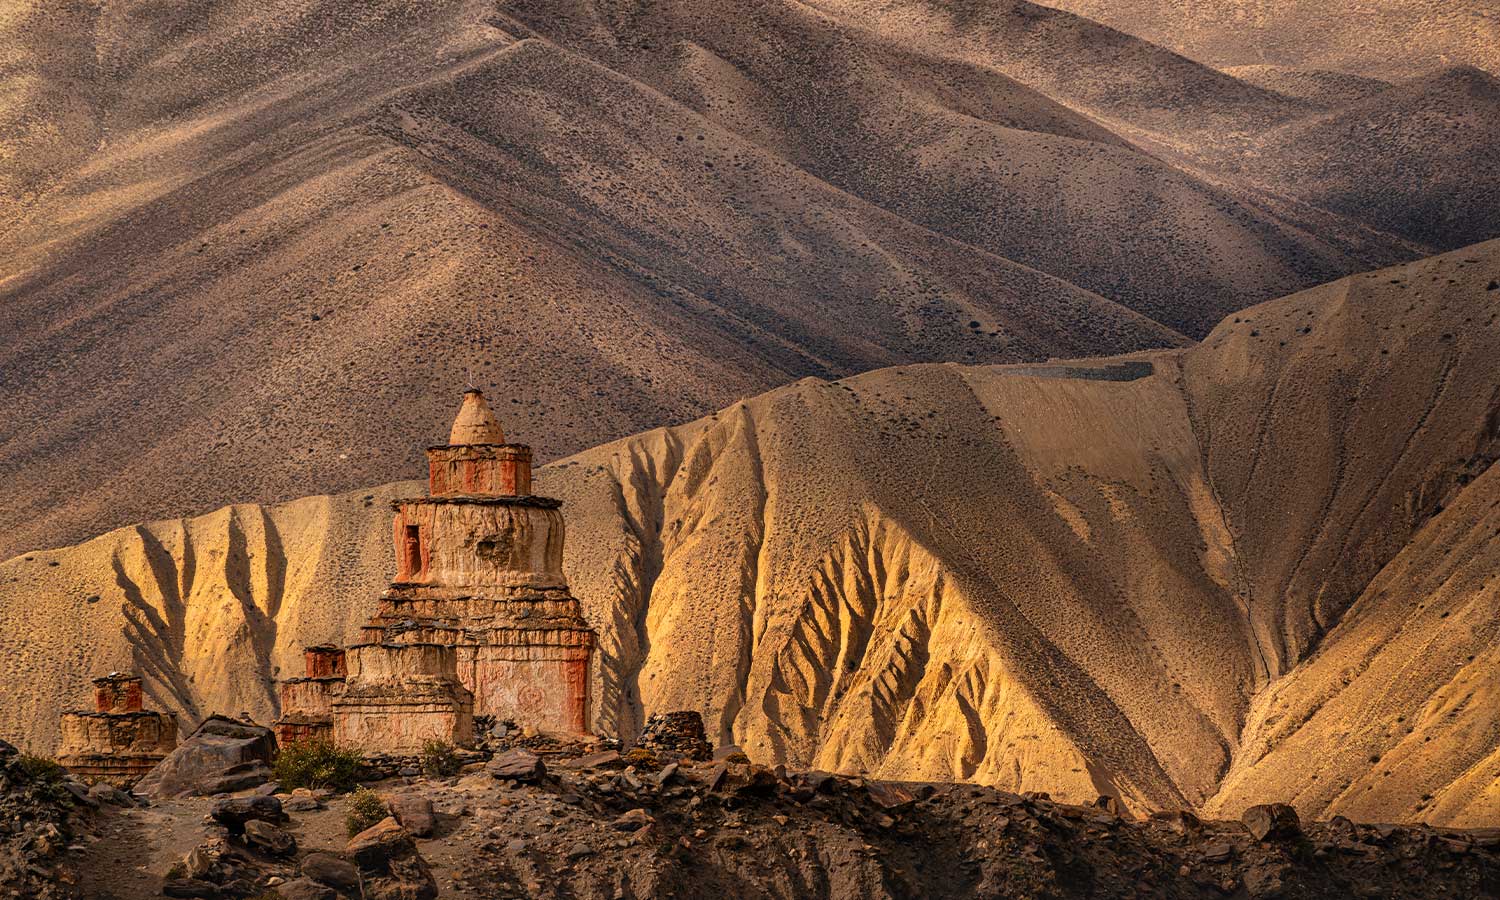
[
  {"x": 237, "y": 236},
  {"x": 1134, "y": 575}
]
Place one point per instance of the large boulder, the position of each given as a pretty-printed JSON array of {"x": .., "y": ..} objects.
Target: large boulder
[
  {"x": 1272, "y": 822},
  {"x": 222, "y": 755},
  {"x": 236, "y": 811},
  {"x": 390, "y": 866}
]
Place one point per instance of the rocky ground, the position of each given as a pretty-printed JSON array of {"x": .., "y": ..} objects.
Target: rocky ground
[{"x": 612, "y": 826}]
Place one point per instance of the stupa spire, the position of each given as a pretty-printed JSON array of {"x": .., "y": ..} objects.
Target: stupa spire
[{"x": 476, "y": 422}]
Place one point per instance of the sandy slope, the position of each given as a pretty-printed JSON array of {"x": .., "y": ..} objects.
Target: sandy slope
[
  {"x": 236, "y": 239},
  {"x": 1139, "y": 574}
]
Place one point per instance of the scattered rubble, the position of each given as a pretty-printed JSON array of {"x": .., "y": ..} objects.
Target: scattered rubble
[
  {"x": 39, "y": 817},
  {"x": 677, "y": 733}
]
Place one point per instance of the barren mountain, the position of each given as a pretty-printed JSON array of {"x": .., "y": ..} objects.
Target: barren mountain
[
  {"x": 1388, "y": 39},
  {"x": 1319, "y": 87},
  {"x": 1182, "y": 577},
  {"x": 1421, "y": 159},
  {"x": 237, "y": 236}
]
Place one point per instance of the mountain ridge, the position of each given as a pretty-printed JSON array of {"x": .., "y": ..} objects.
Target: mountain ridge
[{"x": 1090, "y": 576}]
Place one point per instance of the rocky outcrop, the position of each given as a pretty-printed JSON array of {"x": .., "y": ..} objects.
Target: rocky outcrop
[{"x": 222, "y": 754}]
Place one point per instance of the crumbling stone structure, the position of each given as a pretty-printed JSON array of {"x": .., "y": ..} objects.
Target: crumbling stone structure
[
  {"x": 117, "y": 741},
  {"x": 400, "y": 696},
  {"x": 678, "y": 734},
  {"x": 479, "y": 567},
  {"x": 307, "y": 702},
  {"x": 478, "y": 620}
]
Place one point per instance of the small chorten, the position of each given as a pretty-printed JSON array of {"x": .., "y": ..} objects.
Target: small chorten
[
  {"x": 307, "y": 702},
  {"x": 118, "y": 740}
]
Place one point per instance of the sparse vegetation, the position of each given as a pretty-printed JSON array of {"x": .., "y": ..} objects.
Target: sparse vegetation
[
  {"x": 47, "y": 776},
  {"x": 365, "y": 809},
  {"x": 317, "y": 764},
  {"x": 440, "y": 759}
]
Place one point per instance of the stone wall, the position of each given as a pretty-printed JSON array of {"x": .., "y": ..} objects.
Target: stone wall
[
  {"x": 399, "y": 696},
  {"x": 490, "y": 470},
  {"x": 479, "y": 543},
  {"x": 116, "y": 747}
]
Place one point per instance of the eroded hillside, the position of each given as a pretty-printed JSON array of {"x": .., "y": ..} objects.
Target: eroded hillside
[
  {"x": 237, "y": 236},
  {"x": 1142, "y": 575}
]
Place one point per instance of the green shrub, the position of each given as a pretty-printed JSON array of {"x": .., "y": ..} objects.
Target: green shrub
[
  {"x": 440, "y": 759},
  {"x": 317, "y": 764},
  {"x": 46, "y": 776},
  {"x": 41, "y": 769},
  {"x": 365, "y": 809}
]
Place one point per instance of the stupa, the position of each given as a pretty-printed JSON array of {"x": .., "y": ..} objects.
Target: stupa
[
  {"x": 479, "y": 598},
  {"x": 118, "y": 740},
  {"x": 479, "y": 567},
  {"x": 307, "y": 702}
]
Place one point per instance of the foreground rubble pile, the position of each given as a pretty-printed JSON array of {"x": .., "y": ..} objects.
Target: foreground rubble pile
[
  {"x": 41, "y": 811},
  {"x": 641, "y": 824}
]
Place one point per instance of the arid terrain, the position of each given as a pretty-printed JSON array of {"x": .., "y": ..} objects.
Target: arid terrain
[
  {"x": 1189, "y": 578},
  {"x": 257, "y": 244},
  {"x": 1060, "y": 422}
]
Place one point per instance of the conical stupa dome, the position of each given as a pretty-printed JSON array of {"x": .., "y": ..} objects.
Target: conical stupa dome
[{"x": 476, "y": 423}]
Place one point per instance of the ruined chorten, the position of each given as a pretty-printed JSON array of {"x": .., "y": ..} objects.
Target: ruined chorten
[
  {"x": 479, "y": 567},
  {"x": 478, "y": 621},
  {"x": 399, "y": 696},
  {"x": 117, "y": 741},
  {"x": 307, "y": 702}
]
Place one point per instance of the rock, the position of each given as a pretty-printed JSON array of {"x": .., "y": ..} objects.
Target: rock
[
  {"x": 305, "y": 889},
  {"x": 221, "y": 751},
  {"x": 666, "y": 774},
  {"x": 890, "y": 796},
  {"x": 517, "y": 765},
  {"x": 235, "y": 812},
  {"x": 80, "y": 793},
  {"x": 269, "y": 788},
  {"x": 414, "y": 813},
  {"x": 632, "y": 820},
  {"x": 269, "y": 838},
  {"x": 1272, "y": 822},
  {"x": 1218, "y": 852},
  {"x": 189, "y": 887},
  {"x": 391, "y": 867},
  {"x": 380, "y": 843},
  {"x": 239, "y": 778},
  {"x": 1264, "y": 881},
  {"x": 104, "y": 792},
  {"x": 606, "y": 759},
  {"x": 579, "y": 850},
  {"x": 1110, "y": 804},
  {"x": 201, "y": 863},
  {"x": 1179, "y": 821},
  {"x": 304, "y": 803},
  {"x": 407, "y": 878},
  {"x": 333, "y": 871}
]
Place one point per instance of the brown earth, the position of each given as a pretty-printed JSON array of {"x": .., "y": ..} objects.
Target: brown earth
[
  {"x": 1388, "y": 39},
  {"x": 1187, "y": 577},
  {"x": 256, "y": 244},
  {"x": 744, "y": 831}
]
